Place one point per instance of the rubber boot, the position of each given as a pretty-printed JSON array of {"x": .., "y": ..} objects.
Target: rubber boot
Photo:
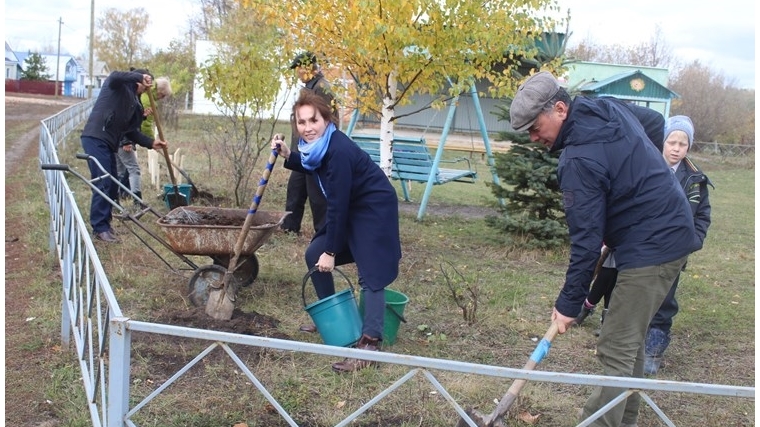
[
  {"x": 353, "y": 365},
  {"x": 656, "y": 343}
]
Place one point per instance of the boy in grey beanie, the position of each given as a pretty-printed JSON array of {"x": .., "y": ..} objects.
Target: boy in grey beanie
[{"x": 679, "y": 138}]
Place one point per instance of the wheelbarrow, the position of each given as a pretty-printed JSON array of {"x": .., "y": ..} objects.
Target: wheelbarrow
[
  {"x": 213, "y": 232},
  {"x": 193, "y": 230}
]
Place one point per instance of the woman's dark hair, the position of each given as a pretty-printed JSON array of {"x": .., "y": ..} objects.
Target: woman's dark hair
[{"x": 311, "y": 98}]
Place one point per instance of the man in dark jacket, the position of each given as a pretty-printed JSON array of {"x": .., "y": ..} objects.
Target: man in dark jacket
[
  {"x": 302, "y": 186},
  {"x": 616, "y": 189},
  {"x": 117, "y": 114}
]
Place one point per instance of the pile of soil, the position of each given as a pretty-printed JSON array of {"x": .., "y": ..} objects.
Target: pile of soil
[
  {"x": 241, "y": 323},
  {"x": 217, "y": 217},
  {"x": 202, "y": 217}
]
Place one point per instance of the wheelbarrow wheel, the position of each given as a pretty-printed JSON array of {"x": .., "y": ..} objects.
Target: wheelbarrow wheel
[
  {"x": 246, "y": 272},
  {"x": 205, "y": 278}
]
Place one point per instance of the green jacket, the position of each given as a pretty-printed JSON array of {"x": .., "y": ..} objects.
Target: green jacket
[{"x": 147, "y": 124}]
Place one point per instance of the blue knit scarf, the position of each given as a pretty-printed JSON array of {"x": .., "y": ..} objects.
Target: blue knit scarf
[{"x": 313, "y": 152}]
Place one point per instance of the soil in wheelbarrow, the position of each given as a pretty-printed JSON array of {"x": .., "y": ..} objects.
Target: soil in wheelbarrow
[{"x": 205, "y": 217}]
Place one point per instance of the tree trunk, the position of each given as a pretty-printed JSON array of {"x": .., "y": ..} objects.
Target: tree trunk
[{"x": 386, "y": 126}]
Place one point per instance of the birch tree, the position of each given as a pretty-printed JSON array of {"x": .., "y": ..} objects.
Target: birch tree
[
  {"x": 120, "y": 38},
  {"x": 393, "y": 49},
  {"x": 243, "y": 81}
]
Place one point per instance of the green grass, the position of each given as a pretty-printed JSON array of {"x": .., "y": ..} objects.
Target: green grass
[{"x": 713, "y": 333}]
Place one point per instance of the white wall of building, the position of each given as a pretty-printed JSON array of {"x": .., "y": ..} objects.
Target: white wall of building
[{"x": 203, "y": 104}]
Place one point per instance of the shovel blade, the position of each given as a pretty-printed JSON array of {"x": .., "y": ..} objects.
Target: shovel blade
[
  {"x": 218, "y": 305},
  {"x": 176, "y": 200},
  {"x": 480, "y": 419}
]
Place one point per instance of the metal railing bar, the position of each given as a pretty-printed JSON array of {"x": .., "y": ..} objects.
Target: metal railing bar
[
  {"x": 283, "y": 413},
  {"x": 606, "y": 408},
  {"x": 449, "y": 398},
  {"x": 378, "y": 398},
  {"x": 173, "y": 378},
  {"x": 656, "y": 409},
  {"x": 444, "y": 364}
]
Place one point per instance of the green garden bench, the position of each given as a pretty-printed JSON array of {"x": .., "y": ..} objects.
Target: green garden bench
[{"x": 411, "y": 161}]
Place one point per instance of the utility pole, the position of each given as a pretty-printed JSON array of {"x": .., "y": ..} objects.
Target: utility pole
[
  {"x": 92, "y": 47},
  {"x": 58, "y": 58}
]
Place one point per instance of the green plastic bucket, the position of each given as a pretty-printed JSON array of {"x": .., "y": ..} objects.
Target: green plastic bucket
[
  {"x": 336, "y": 317},
  {"x": 395, "y": 302},
  {"x": 184, "y": 189}
]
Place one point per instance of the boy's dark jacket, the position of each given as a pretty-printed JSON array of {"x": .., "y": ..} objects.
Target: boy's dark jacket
[{"x": 694, "y": 183}]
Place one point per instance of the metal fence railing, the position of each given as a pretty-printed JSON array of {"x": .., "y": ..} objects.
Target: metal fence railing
[
  {"x": 102, "y": 334},
  {"x": 724, "y": 150}
]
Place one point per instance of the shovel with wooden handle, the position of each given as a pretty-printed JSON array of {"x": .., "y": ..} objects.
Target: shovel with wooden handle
[
  {"x": 506, "y": 402},
  {"x": 175, "y": 199},
  {"x": 539, "y": 353},
  {"x": 221, "y": 301}
]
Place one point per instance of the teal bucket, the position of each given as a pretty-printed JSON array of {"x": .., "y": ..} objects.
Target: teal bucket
[
  {"x": 336, "y": 317},
  {"x": 395, "y": 302},
  {"x": 184, "y": 189}
]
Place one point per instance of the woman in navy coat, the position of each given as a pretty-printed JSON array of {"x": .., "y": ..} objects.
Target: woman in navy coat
[{"x": 362, "y": 215}]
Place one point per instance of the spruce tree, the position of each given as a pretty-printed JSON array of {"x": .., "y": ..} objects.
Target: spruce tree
[
  {"x": 533, "y": 212},
  {"x": 36, "y": 69}
]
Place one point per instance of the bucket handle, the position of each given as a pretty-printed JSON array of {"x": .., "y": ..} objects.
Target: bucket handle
[
  {"x": 395, "y": 313},
  {"x": 313, "y": 270}
]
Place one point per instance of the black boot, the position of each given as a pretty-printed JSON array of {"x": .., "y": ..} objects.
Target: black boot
[
  {"x": 601, "y": 322},
  {"x": 585, "y": 312}
]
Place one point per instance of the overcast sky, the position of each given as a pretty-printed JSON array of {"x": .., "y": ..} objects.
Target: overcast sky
[
  {"x": 719, "y": 34},
  {"x": 33, "y": 24}
]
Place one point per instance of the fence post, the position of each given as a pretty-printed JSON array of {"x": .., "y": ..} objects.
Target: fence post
[{"x": 119, "y": 344}]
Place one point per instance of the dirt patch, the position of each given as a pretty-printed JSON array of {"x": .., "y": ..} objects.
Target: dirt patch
[
  {"x": 241, "y": 323},
  {"x": 466, "y": 212}
]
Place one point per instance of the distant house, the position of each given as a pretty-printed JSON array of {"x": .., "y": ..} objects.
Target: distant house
[
  {"x": 646, "y": 86},
  {"x": 71, "y": 73},
  {"x": 100, "y": 71},
  {"x": 66, "y": 72},
  {"x": 11, "y": 63},
  {"x": 203, "y": 103}
]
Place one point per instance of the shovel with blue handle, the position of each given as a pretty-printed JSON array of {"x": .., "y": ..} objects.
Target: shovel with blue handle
[
  {"x": 506, "y": 402},
  {"x": 221, "y": 300}
]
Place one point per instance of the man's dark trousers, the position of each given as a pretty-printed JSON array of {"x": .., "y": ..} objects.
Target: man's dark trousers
[
  {"x": 100, "y": 208},
  {"x": 302, "y": 186}
]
